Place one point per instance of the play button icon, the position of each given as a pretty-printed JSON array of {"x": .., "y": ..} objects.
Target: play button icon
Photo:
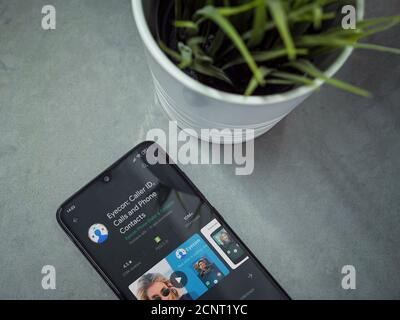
[{"x": 178, "y": 279}]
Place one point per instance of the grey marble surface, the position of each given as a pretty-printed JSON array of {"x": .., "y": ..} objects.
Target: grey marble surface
[{"x": 325, "y": 191}]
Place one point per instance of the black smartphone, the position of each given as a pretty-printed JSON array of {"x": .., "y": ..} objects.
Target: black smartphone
[{"x": 152, "y": 235}]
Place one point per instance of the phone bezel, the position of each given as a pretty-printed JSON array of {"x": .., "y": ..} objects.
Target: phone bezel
[{"x": 101, "y": 272}]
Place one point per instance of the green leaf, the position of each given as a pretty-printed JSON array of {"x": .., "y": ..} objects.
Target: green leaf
[
  {"x": 211, "y": 71},
  {"x": 335, "y": 41},
  {"x": 216, "y": 35},
  {"x": 260, "y": 17},
  {"x": 280, "y": 82},
  {"x": 254, "y": 83},
  {"x": 295, "y": 78},
  {"x": 217, "y": 43},
  {"x": 186, "y": 55},
  {"x": 308, "y": 68},
  {"x": 279, "y": 15},
  {"x": 199, "y": 54},
  {"x": 231, "y": 11},
  {"x": 196, "y": 41},
  {"x": 264, "y": 56},
  {"x": 366, "y": 27},
  {"x": 211, "y": 13},
  {"x": 370, "y": 46},
  {"x": 186, "y": 25},
  {"x": 317, "y": 17},
  {"x": 173, "y": 54}
]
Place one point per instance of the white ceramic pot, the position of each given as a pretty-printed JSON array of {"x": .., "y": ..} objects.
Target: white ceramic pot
[{"x": 196, "y": 106}]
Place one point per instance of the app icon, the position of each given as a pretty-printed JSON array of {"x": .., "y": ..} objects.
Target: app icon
[
  {"x": 180, "y": 253},
  {"x": 98, "y": 233}
]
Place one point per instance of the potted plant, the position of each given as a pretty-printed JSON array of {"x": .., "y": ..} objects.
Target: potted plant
[{"x": 247, "y": 63}]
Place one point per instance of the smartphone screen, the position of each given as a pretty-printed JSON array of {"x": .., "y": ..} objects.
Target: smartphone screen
[
  {"x": 152, "y": 235},
  {"x": 230, "y": 246}
]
